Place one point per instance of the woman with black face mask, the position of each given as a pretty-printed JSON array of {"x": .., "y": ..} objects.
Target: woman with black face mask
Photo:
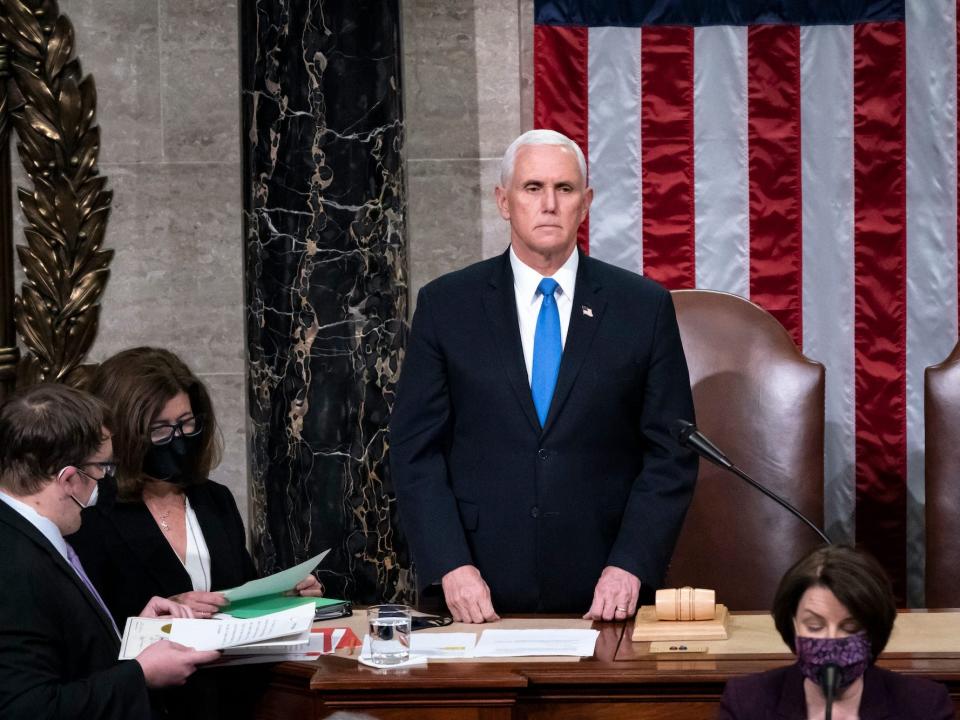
[
  {"x": 170, "y": 531},
  {"x": 835, "y": 609}
]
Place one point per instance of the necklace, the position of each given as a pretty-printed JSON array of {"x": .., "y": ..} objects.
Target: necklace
[{"x": 163, "y": 516}]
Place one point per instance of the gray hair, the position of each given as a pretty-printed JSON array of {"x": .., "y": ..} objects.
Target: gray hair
[{"x": 539, "y": 137}]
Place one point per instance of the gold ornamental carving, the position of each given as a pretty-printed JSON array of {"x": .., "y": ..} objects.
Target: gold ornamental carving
[{"x": 52, "y": 107}]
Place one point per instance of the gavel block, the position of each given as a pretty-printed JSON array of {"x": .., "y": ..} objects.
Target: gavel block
[{"x": 681, "y": 614}]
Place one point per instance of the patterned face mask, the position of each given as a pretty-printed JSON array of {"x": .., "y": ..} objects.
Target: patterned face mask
[{"x": 851, "y": 655}]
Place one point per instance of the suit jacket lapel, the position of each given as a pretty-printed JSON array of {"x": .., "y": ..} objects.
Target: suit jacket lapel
[
  {"x": 500, "y": 304},
  {"x": 145, "y": 539},
  {"x": 20, "y": 524},
  {"x": 585, "y": 317}
]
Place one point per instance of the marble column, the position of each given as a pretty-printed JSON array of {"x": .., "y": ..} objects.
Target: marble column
[{"x": 326, "y": 285}]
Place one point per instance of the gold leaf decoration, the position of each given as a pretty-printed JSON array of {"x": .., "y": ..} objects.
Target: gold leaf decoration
[{"x": 65, "y": 267}]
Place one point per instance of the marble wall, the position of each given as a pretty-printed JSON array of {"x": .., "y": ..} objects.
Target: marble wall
[
  {"x": 326, "y": 281},
  {"x": 468, "y": 72},
  {"x": 167, "y": 77}
]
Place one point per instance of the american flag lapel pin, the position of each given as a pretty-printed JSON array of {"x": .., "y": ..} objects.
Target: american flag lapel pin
[{"x": 587, "y": 311}]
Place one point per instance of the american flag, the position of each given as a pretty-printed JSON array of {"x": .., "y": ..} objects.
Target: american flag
[{"x": 802, "y": 154}]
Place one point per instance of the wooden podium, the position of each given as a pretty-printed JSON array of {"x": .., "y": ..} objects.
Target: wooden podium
[{"x": 623, "y": 679}]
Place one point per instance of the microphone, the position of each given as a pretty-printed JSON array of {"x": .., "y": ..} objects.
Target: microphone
[
  {"x": 689, "y": 437},
  {"x": 828, "y": 683}
]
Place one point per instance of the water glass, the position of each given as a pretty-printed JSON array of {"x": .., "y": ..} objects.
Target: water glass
[{"x": 389, "y": 634}]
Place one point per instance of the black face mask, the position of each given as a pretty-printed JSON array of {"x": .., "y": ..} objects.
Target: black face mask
[{"x": 173, "y": 462}]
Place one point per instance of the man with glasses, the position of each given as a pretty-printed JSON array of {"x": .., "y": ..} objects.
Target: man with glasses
[{"x": 58, "y": 657}]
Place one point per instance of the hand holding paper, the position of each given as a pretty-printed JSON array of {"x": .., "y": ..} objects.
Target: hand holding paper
[{"x": 139, "y": 633}]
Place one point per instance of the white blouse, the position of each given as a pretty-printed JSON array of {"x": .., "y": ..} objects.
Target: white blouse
[{"x": 197, "y": 563}]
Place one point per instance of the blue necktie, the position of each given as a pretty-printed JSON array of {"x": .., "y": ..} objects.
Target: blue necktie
[{"x": 547, "y": 350}]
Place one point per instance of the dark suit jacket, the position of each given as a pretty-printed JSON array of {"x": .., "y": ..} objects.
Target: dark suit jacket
[
  {"x": 778, "y": 695},
  {"x": 129, "y": 560},
  {"x": 58, "y": 653},
  {"x": 541, "y": 511}
]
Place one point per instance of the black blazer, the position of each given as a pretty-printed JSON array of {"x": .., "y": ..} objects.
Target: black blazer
[
  {"x": 129, "y": 560},
  {"x": 778, "y": 695},
  {"x": 541, "y": 511},
  {"x": 58, "y": 653}
]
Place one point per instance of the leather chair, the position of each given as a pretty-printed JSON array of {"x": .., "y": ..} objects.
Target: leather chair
[
  {"x": 761, "y": 402},
  {"x": 941, "y": 409}
]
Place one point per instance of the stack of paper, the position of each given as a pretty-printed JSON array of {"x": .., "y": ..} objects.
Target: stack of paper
[
  {"x": 279, "y": 632},
  {"x": 493, "y": 644}
]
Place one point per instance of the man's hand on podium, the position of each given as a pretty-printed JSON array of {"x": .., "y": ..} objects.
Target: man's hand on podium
[
  {"x": 468, "y": 596},
  {"x": 615, "y": 597}
]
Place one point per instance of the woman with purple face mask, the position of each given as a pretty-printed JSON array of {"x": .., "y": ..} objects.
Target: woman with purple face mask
[{"x": 835, "y": 609}]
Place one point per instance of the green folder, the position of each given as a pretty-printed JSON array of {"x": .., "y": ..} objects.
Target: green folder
[{"x": 266, "y": 604}]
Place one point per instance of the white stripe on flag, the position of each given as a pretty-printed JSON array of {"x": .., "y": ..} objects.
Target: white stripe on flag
[
  {"x": 826, "y": 106},
  {"x": 613, "y": 82},
  {"x": 931, "y": 236},
  {"x": 721, "y": 172}
]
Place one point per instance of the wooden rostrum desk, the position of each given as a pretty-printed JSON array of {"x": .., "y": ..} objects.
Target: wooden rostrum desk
[{"x": 622, "y": 680}]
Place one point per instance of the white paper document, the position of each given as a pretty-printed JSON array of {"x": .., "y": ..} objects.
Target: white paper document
[
  {"x": 314, "y": 648},
  {"x": 277, "y": 583},
  {"x": 520, "y": 643},
  {"x": 214, "y": 634},
  {"x": 443, "y": 645}
]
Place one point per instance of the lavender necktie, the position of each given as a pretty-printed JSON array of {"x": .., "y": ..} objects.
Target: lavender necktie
[{"x": 75, "y": 564}]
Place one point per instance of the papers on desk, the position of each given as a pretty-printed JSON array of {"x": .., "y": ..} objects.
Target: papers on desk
[
  {"x": 495, "y": 643},
  {"x": 529, "y": 643},
  {"x": 443, "y": 645},
  {"x": 323, "y": 641},
  {"x": 277, "y": 633}
]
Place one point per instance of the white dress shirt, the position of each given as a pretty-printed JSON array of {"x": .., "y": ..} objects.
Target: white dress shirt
[
  {"x": 525, "y": 282},
  {"x": 197, "y": 563},
  {"x": 45, "y": 525}
]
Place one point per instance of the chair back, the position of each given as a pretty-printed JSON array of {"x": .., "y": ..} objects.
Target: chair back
[
  {"x": 941, "y": 409},
  {"x": 761, "y": 402}
]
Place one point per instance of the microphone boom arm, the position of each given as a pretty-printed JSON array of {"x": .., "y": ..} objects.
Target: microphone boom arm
[
  {"x": 690, "y": 437},
  {"x": 779, "y": 500}
]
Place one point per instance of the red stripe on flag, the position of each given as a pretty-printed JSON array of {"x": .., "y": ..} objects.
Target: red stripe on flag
[
  {"x": 773, "y": 127},
  {"x": 880, "y": 267},
  {"x": 560, "y": 89},
  {"x": 666, "y": 129}
]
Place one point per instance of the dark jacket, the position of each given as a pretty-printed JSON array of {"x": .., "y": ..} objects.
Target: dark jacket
[
  {"x": 778, "y": 695},
  {"x": 541, "y": 511},
  {"x": 129, "y": 560},
  {"x": 58, "y": 650}
]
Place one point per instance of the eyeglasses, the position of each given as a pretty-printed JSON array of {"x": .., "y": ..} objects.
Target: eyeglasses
[
  {"x": 188, "y": 427},
  {"x": 105, "y": 468}
]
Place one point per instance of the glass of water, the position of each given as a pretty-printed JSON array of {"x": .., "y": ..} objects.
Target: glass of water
[{"x": 389, "y": 634}]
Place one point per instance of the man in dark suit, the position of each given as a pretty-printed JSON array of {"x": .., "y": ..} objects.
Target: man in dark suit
[
  {"x": 58, "y": 658},
  {"x": 530, "y": 442}
]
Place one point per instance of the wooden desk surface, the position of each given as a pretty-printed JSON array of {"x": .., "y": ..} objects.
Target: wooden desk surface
[{"x": 622, "y": 680}]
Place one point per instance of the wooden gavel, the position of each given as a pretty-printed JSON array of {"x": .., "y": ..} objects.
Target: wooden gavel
[{"x": 686, "y": 603}]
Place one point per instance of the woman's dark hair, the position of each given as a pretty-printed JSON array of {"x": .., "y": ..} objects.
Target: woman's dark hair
[
  {"x": 136, "y": 384},
  {"x": 43, "y": 429},
  {"x": 854, "y": 577}
]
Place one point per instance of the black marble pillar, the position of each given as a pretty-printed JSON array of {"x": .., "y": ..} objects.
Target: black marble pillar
[{"x": 326, "y": 286}]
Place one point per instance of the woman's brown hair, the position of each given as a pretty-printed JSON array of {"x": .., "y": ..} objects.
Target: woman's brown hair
[
  {"x": 856, "y": 579},
  {"x": 136, "y": 384}
]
